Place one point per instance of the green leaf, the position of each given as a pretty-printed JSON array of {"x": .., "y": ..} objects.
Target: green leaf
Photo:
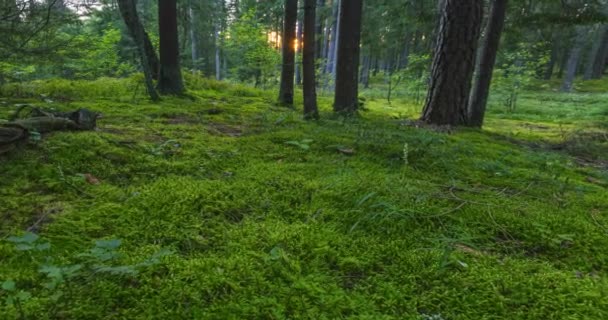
[
  {"x": 27, "y": 237},
  {"x": 8, "y": 285},
  {"x": 23, "y": 296},
  {"x": 108, "y": 244}
]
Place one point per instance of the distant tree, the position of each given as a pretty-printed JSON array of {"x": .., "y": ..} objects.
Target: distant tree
[
  {"x": 170, "y": 76},
  {"x": 347, "y": 69},
  {"x": 288, "y": 65},
  {"x": 128, "y": 11},
  {"x": 453, "y": 63},
  {"x": 574, "y": 57},
  {"x": 147, "y": 55},
  {"x": 485, "y": 66},
  {"x": 308, "y": 61}
]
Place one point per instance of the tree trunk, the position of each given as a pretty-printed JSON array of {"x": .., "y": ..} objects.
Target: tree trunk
[
  {"x": 599, "y": 64},
  {"x": 347, "y": 71},
  {"x": 453, "y": 63},
  {"x": 149, "y": 62},
  {"x": 128, "y": 11},
  {"x": 365, "y": 70},
  {"x": 485, "y": 67},
  {"x": 170, "y": 78},
  {"x": 574, "y": 58},
  {"x": 298, "y": 53},
  {"x": 308, "y": 61},
  {"x": 288, "y": 67}
]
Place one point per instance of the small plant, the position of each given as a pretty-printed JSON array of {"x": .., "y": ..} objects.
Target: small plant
[
  {"x": 303, "y": 144},
  {"x": 61, "y": 279}
]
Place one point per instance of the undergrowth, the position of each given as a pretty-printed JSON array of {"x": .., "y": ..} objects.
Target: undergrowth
[{"x": 267, "y": 216}]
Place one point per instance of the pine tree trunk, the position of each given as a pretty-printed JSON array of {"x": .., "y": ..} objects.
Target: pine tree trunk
[
  {"x": 128, "y": 11},
  {"x": 308, "y": 61},
  {"x": 347, "y": 71},
  {"x": 288, "y": 66},
  {"x": 453, "y": 63},
  {"x": 170, "y": 77},
  {"x": 574, "y": 58},
  {"x": 365, "y": 71},
  {"x": 485, "y": 67},
  {"x": 299, "y": 53}
]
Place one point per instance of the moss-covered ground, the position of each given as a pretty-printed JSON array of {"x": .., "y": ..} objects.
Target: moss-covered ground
[{"x": 272, "y": 217}]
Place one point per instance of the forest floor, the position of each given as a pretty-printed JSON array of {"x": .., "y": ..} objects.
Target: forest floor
[{"x": 267, "y": 216}]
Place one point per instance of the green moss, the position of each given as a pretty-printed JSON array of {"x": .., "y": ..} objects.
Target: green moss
[{"x": 505, "y": 223}]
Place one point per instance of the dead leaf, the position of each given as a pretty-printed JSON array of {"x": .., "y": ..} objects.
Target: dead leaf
[
  {"x": 467, "y": 249},
  {"x": 91, "y": 179},
  {"x": 346, "y": 151}
]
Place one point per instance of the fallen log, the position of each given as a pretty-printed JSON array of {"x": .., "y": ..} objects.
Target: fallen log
[{"x": 17, "y": 131}]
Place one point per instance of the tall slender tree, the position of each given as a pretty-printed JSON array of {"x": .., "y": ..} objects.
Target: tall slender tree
[
  {"x": 453, "y": 62},
  {"x": 170, "y": 77},
  {"x": 574, "y": 57},
  {"x": 149, "y": 61},
  {"x": 288, "y": 66},
  {"x": 308, "y": 61},
  {"x": 347, "y": 68},
  {"x": 128, "y": 11},
  {"x": 485, "y": 67}
]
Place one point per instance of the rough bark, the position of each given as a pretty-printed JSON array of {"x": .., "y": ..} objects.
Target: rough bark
[
  {"x": 485, "y": 67},
  {"x": 308, "y": 61},
  {"x": 574, "y": 57},
  {"x": 147, "y": 55},
  {"x": 453, "y": 63},
  {"x": 170, "y": 76},
  {"x": 288, "y": 66},
  {"x": 128, "y": 11},
  {"x": 347, "y": 65}
]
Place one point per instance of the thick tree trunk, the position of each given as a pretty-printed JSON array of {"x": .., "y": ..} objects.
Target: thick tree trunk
[
  {"x": 347, "y": 70},
  {"x": 308, "y": 61},
  {"x": 170, "y": 77},
  {"x": 599, "y": 63},
  {"x": 149, "y": 61},
  {"x": 288, "y": 67},
  {"x": 485, "y": 67},
  {"x": 128, "y": 11},
  {"x": 574, "y": 58},
  {"x": 453, "y": 63}
]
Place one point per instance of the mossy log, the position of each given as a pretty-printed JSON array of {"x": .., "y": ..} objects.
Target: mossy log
[{"x": 17, "y": 132}]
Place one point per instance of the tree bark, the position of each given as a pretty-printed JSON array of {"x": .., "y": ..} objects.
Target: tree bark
[
  {"x": 485, "y": 67},
  {"x": 453, "y": 63},
  {"x": 288, "y": 66},
  {"x": 319, "y": 31},
  {"x": 347, "y": 67},
  {"x": 299, "y": 53},
  {"x": 170, "y": 77},
  {"x": 308, "y": 61},
  {"x": 128, "y": 11},
  {"x": 574, "y": 58}
]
